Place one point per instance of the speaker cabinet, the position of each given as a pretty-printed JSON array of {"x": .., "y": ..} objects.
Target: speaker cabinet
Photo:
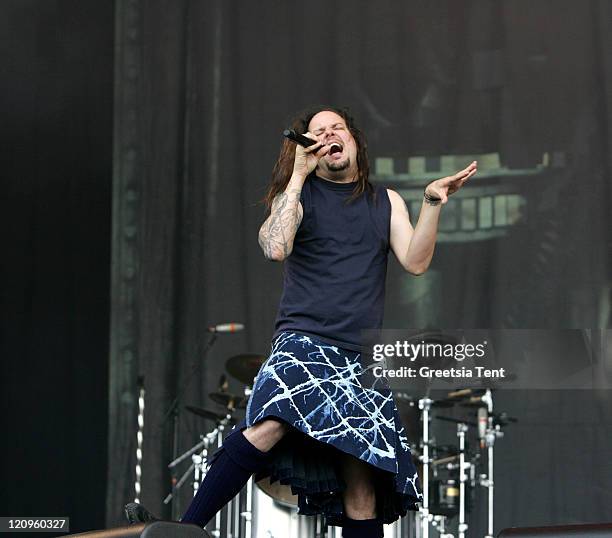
[{"x": 157, "y": 529}]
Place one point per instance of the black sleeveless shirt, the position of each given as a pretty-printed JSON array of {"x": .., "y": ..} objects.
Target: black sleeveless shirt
[{"x": 334, "y": 278}]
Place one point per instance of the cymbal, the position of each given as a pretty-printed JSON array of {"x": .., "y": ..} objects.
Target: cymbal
[
  {"x": 229, "y": 400},
  {"x": 244, "y": 367},
  {"x": 463, "y": 394},
  {"x": 206, "y": 413}
]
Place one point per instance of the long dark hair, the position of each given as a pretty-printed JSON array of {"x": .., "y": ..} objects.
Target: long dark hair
[{"x": 281, "y": 173}]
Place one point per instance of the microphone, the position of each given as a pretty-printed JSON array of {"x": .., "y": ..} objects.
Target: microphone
[
  {"x": 302, "y": 140},
  {"x": 226, "y": 328},
  {"x": 483, "y": 417}
]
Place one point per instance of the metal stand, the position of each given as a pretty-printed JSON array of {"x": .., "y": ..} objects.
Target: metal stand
[
  {"x": 247, "y": 515},
  {"x": 174, "y": 412},
  {"x": 467, "y": 463},
  {"x": 462, "y": 429},
  {"x": 217, "y": 530},
  {"x": 198, "y": 460},
  {"x": 199, "y": 456},
  {"x": 425, "y": 517},
  {"x": 492, "y": 433}
]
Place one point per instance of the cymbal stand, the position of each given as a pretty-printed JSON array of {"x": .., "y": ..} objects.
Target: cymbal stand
[
  {"x": 197, "y": 460},
  {"x": 173, "y": 413},
  {"x": 462, "y": 429},
  {"x": 247, "y": 514},
  {"x": 492, "y": 433},
  {"x": 216, "y": 532},
  {"x": 199, "y": 463},
  {"x": 425, "y": 516}
]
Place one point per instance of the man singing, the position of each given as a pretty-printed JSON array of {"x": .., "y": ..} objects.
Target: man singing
[{"x": 311, "y": 421}]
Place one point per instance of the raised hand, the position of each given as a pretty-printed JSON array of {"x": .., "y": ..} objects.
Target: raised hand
[
  {"x": 306, "y": 159},
  {"x": 444, "y": 187}
]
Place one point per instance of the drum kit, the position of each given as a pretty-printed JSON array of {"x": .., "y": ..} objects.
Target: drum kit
[{"x": 450, "y": 474}]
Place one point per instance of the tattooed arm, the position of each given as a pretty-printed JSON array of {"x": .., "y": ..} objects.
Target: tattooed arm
[{"x": 277, "y": 233}]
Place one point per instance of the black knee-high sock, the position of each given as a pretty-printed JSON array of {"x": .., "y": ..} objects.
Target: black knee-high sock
[
  {"x": 362, "y": 528},
  {"x": 237, "y": 460}
]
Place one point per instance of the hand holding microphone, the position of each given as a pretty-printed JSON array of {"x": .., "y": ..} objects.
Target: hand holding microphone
[
  {"x": 308, "y": 152},
  {"x": 298, "y": 138}
]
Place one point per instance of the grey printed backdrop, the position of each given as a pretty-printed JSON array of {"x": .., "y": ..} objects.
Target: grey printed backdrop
[{"x": 138, "y": 139}]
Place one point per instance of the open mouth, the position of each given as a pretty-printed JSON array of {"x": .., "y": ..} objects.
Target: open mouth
[{"x": 335, "y": 148}]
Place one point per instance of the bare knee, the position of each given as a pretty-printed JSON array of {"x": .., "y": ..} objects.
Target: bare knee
[
  {"x": 360, "y": 495},
  {"x": 265, "y": 434},
  {"x": 360, "y": 500}
]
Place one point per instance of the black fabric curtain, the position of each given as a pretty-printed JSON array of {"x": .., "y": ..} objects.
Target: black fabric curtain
[
  {"x": 56, "y": 177},
  {"x": 202, "y": 93}
]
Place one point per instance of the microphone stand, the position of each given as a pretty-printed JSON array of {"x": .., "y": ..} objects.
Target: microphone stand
[
  {"x": 491, "y": 435},
  {"x": 174, "y": 412},
  {"x": 425, "y": 517}
]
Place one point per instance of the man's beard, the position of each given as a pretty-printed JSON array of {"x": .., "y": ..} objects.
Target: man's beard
[{"x": 339, "y": 166}]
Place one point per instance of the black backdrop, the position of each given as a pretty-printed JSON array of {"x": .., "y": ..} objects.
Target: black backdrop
[
  {"x": 425, "y": 78},
  {"x": 56, "y": 148}
]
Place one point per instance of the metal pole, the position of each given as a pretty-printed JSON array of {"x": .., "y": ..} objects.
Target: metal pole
[
  {"x": 425, "y": 405},
  {"x": 217, "y": 530},
  {"x": 248, "y": 512},
  {"x": 461, "y": 431},
  {"x": 175, "y": 436},
  {"x": 491, "y": 434}
]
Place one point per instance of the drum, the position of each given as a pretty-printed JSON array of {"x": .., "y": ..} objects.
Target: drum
[
  {"x": 274, "y": 512},
  {"x": 278, "y": 492}
]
